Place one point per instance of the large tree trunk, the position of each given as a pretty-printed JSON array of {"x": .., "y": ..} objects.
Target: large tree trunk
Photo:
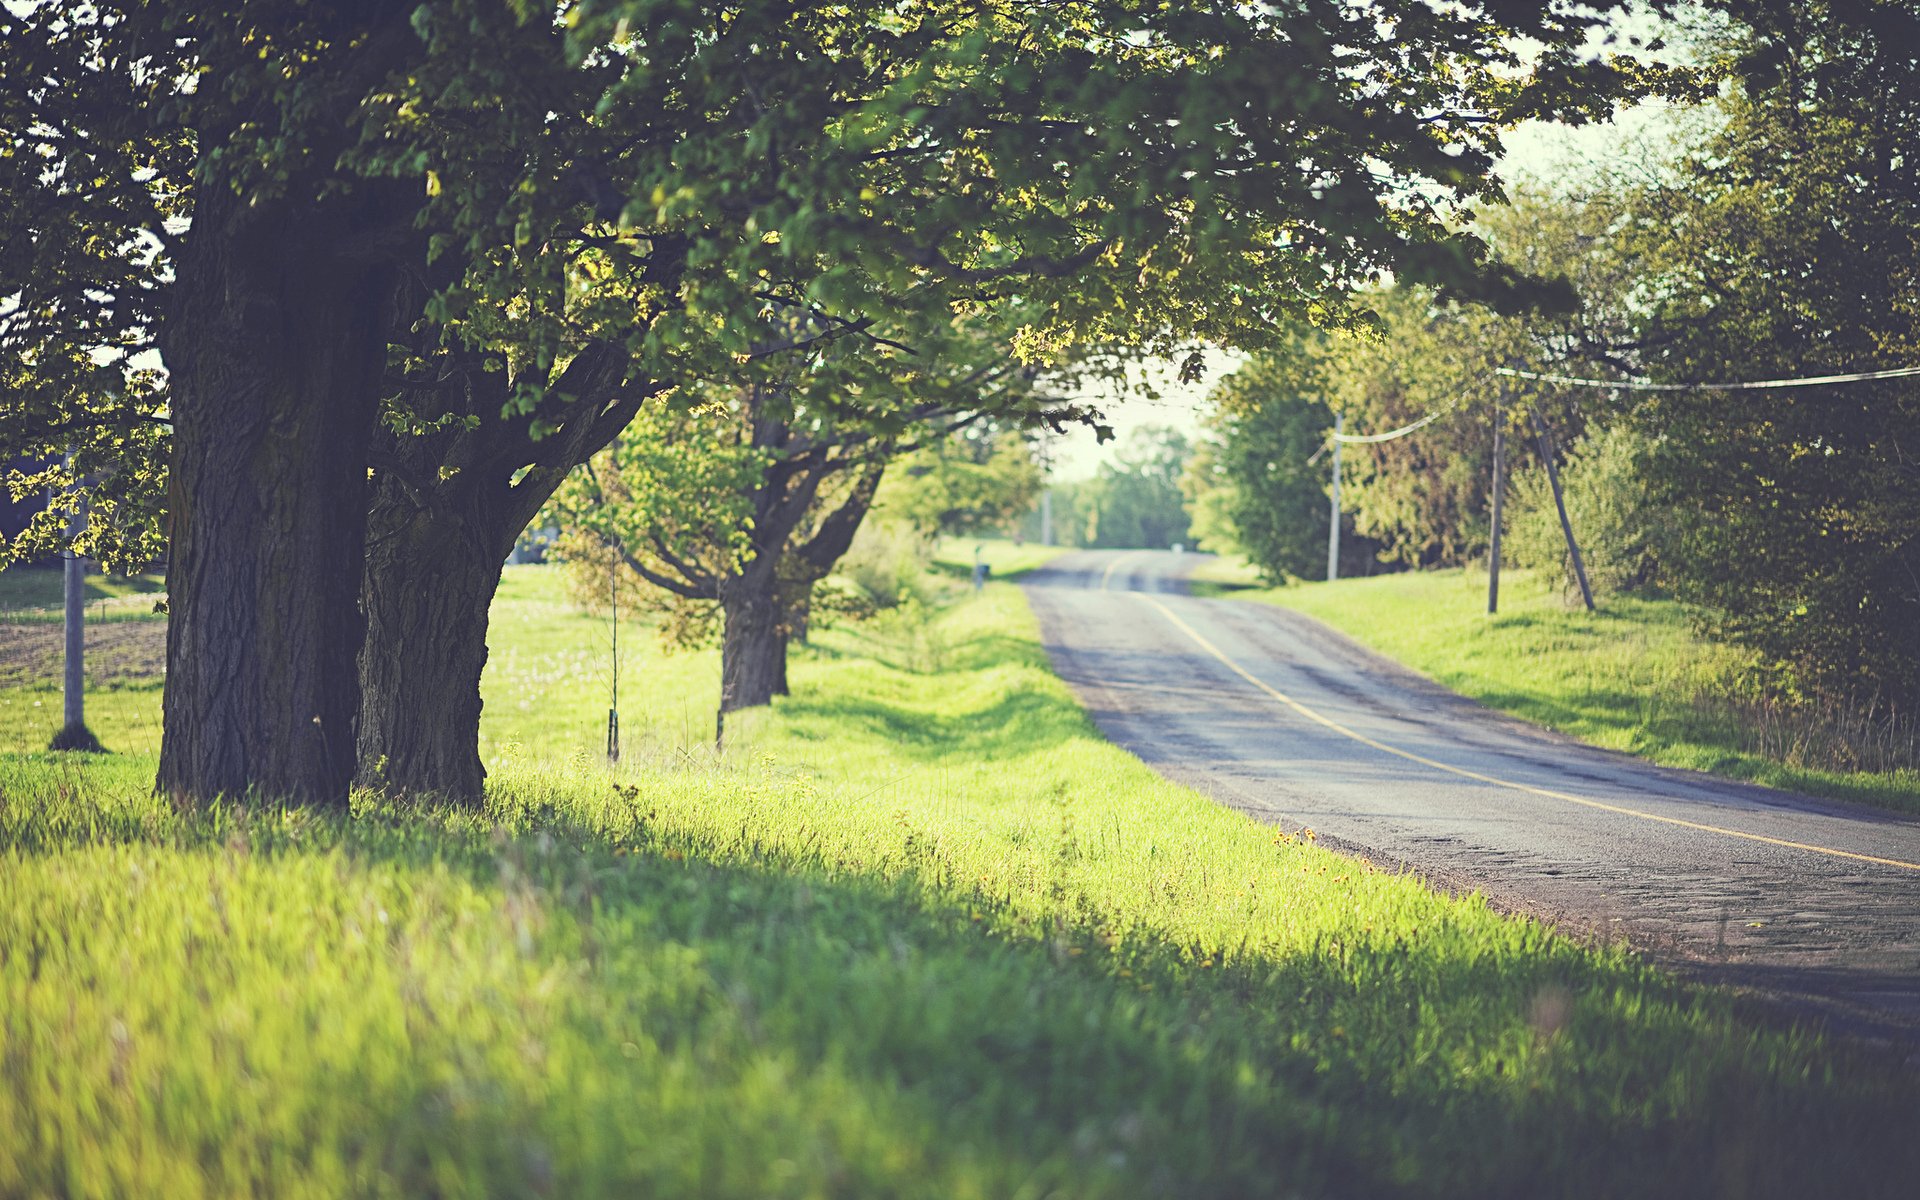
[
  {"x": 780, "y": 687},
  {"x": 796, "y": 599},
  {"x": 436, "y": 542},
  {"x": 430, "y": 580},
  {"x": 275, "y": 350},
  {"x": 800, "y": 617},
  {"x": 752, "y": 650}
]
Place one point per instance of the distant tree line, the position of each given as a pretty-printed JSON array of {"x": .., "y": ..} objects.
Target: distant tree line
[{"x": 1132, "y": 500}]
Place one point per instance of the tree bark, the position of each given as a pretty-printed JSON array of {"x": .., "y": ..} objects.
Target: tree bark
[
  {"x": 752, "y": 652},
  {"x": 275, "y": 350},
  {"x": 431, "y": 575},
  {"x": 780, "y": 687},
  {"x": 446, "y": 508},
  {"x": 800, "y": 617}
]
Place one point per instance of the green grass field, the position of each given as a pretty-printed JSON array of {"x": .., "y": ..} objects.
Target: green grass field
[
  {"x": 38, "y": 594},
  {"x": 928, "y": 935},
  {"x": 1633, "y": 676}
]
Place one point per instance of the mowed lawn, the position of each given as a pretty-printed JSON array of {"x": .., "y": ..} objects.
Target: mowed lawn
[
  {"x": 1634, "y": 676},
  {"x": 925, "y": 934}
]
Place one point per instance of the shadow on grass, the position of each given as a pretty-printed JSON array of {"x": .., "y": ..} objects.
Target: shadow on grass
[
  {"x": 1021, "y": 722},
  {"x": 932, "y": 655},
  {"x": 43, "y": 586},
  {"x": 1049, "y": 1055}
]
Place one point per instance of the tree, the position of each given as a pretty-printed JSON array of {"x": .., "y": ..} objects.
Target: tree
[
  {"x": 1425, "y": 361},
  {"x": 748, "y": 501},
  {"x": 121, "y": 122},
  {"x": 1790, "y": 246},
  {"x": 1267, "y": 419},
  {"x": 984, "y": 479},
  {"x": 1135, "y": 499},
  {"x": 270, "y": 193}
]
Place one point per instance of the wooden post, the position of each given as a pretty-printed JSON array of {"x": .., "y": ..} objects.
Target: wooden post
[
  {"x": 613, "y": 691},
  {"x": 1559, "y": 501},
  {"x": 1499, "y": 494},
  {"x": 1047, "y": 490},
  {"x": 1333, "y": 525},
  {"x": 74, "y": 734},
  {"x": 74, "y": 716}
]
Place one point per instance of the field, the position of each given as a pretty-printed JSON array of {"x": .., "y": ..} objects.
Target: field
[
  {"x": 1633, "y": 676},
  {"x": 926, "y": 935}
]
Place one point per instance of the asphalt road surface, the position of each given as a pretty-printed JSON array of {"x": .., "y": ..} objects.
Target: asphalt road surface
[{"x": 1808, "y": 903}]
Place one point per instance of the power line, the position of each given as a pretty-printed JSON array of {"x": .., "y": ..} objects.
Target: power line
[
  {"x": 1390, "y": 435},
  {"x": 1370, "y": 438},
  {"x": 1631, "y": 385},
  {"x": 1642, "y": 385}
]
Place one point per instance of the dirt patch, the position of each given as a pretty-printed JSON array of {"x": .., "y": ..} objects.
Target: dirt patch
[{"x": 122, "y": 650}]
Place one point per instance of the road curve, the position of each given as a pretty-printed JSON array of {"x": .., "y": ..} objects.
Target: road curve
[{"x": 1808, "y": 902}]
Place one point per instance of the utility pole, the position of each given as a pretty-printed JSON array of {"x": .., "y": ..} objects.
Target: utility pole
[
  {"x": 1499, "y": 494},
  {"x": 1559, "y": 502},
  {"x": 1333, "y": 525},
  {"x": 1046, "y": 490},
  {"x": 74, "y": 734}
]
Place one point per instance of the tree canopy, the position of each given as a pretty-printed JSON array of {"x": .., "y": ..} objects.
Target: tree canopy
[{"x": 327, "y": 220}]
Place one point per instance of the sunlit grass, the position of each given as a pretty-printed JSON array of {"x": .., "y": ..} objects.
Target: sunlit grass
[
  {"x": 1633, "y": 676},
  {"x": 37, "y": 593},
  {"x": 1005, "y": 558},
  {"x": 928, "y": 936}
]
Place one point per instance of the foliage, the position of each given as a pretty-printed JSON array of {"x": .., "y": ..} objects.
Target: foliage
[
  {"x": 886, "y": 563},
  {"x": 1253, "y": 477},
  {"x": 781, "y": 474},
  {"x": 1208, "y": 497},
  {"x": 1423, "y": 498},
  {"x": 1789, "y": 247},
  {"x": 935, "y": 938},
  {"x": 1616, "y": 524},
  {"x": 683, "y": 181},
  {"x": 1133, "y": 500},
  {"x": 978, "y": 482}
]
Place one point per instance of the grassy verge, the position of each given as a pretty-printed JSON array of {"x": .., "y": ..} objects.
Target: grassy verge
[
  {"x": 1007, "y": 559},
  {"x": 930, "y": 936},
  {"x": 1633, "y": 676}
]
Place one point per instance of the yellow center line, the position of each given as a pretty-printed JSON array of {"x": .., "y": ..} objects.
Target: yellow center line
[
  {"x": 1107, "y": 579},
  {"x": 1364, "y": 740}
]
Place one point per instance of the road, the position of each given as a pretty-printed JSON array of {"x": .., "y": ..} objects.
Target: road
[{"x": 1808, "y": 903}]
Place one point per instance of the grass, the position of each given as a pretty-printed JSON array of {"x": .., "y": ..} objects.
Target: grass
[
  {"x": 1633, "y": 676},
  {"x": 37, "y": 593},
  {"x": 1005, "y": 558},
  {"x": 930, "y": 936}
]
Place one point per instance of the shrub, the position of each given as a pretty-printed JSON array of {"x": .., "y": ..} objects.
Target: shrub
[
  {"x": 1607, "y": 506},
  {"x": 886, "y": 562}
]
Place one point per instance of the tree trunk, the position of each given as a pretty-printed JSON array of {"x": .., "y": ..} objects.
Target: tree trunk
[
  {"x": 800, "y": 617},
  {"x": 430, "y": 579},
  {"x": 796, "y": 600},
  {"x": 752, "y": 652},
  {"x": 436, "y": 542},
  {"x": 275, "y": 351}
]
